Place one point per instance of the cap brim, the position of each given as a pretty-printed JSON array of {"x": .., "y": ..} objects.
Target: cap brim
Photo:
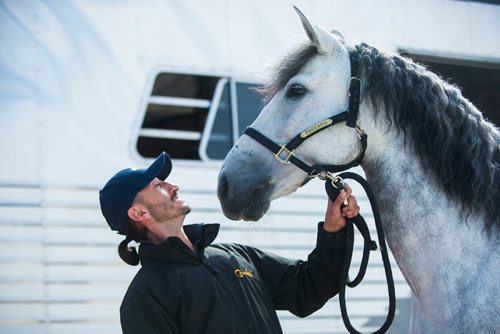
[{"x": 160, "y": 168}]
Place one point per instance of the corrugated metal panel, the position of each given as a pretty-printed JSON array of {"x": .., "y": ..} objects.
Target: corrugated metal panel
[{"x": 61, "y": 271}]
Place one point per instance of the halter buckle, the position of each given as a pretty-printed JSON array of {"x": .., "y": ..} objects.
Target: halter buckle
[{"x": 288, "y": 153}]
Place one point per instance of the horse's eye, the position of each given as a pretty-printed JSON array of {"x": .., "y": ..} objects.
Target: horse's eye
[{"x": 295, "y": 90}]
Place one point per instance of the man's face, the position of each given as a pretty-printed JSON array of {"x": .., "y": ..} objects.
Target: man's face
[{"x": 162, "y": 201}]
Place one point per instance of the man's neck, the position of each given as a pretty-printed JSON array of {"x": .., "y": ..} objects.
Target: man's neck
[{"x": 165, "y": 230}]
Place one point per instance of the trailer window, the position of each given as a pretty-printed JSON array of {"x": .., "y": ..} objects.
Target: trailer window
[
  {"x": 249, "y": 105},
  {"x": 195, "y": 117},
  {"x": 220, "y": 135}
]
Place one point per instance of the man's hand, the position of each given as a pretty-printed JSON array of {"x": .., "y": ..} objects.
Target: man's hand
[{"x": 335, "y": 215}]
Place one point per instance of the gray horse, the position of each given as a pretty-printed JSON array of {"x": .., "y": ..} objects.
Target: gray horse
[{"x": 431, "y": 158}]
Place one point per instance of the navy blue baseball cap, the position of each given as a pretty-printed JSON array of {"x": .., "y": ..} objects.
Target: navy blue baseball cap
[{"x": 119, "y": 192}]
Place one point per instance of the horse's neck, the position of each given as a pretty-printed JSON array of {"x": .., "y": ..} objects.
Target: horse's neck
[
  {"x": 410, "y": 197},
  {"x": 418, "y": 218},
  {"x": 407, "y": 195},
  {"x": 448, "y": 263}
]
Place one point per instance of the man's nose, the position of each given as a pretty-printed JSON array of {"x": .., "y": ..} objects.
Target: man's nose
[{"x": 172, "y": 186}]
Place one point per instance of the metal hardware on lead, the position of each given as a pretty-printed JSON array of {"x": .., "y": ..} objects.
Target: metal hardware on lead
[
  {"x": 360, "y": 132},
  {"x": 285, "y": 161},
  {"x": 324, "y": 175},
  {"x": 336, "y": 181}
]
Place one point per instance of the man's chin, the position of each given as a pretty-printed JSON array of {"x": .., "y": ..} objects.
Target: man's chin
[{"x": 185, "y": 210}]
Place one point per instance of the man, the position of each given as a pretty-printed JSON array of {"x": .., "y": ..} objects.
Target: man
[{"x": 188, "y": 285}]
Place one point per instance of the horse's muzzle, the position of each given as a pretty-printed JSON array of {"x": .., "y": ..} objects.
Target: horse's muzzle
[{"x": 243, "y": 197}]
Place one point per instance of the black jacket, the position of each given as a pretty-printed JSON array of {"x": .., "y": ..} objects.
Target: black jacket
[{"x": 227, "y": 288}]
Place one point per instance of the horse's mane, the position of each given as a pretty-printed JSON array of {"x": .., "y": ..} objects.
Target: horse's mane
[{"x": 447, "y": 132}]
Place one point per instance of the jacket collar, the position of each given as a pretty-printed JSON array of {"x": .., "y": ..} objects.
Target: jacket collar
[{"x": 173, "y": 250}]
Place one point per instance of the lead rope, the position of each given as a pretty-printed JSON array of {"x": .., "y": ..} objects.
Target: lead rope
[{"x": 333, "y": 189}]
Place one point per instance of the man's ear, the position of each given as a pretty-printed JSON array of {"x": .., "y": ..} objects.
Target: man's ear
[{"x": 137, "y": 213}]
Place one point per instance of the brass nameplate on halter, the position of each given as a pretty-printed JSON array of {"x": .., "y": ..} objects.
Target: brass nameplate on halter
[{"x": 315, "y": 128}]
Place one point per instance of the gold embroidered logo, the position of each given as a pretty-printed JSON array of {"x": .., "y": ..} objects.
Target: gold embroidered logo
[
  {"x": 315, "y": 128},
  {"x": 240, "y": 273}
]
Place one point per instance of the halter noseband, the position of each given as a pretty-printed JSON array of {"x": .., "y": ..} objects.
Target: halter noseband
[{"x": 285, "y": 153}]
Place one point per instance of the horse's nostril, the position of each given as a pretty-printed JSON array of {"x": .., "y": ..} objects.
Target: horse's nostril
[{"x": 222, "y": 187}]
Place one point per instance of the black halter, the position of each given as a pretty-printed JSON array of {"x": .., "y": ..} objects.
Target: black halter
[{"x": 285, "y": 153}]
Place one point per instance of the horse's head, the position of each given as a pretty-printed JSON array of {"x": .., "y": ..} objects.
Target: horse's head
[{"x": 310, "y": 86}]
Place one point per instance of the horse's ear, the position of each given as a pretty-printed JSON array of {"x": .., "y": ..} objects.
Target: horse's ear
[
  {"x": 339, "y": 37},
  {"x": 321, "y": 38}
]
